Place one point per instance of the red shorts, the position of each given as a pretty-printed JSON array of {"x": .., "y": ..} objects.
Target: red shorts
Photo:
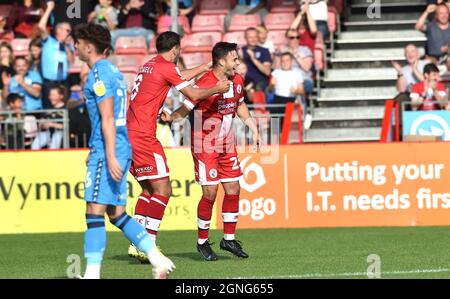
[
  {"x": 214, "y": 168},
  {"x": 148, "y": 159}
]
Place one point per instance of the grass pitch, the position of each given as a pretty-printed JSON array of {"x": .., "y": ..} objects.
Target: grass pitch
[{"x": 412, "y": 252}]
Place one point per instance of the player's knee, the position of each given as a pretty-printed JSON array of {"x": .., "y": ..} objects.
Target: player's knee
[
  {"x": 233, "y": 189},
  {"x": 210, "y": 193}
]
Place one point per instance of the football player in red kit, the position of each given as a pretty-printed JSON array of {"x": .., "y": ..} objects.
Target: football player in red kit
[
  {"x": 213, "y": 147},
  {"x": 149, "y": 165}
]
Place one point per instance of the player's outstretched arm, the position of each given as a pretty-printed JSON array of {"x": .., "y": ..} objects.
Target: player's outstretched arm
[
  {"x": 196, "y": 71},
  {"x": 248, "y": 120},
  {"x": 177, "y": 115},
  {"x": 197, "y": 94},
  {"x": 106, "y": 108}
]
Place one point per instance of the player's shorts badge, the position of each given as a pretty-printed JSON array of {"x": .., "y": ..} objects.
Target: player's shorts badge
[
  {"x": 213, "y": 173},
  {"x": 99, "y": 88},
  {"x": 239, "y": 88}
]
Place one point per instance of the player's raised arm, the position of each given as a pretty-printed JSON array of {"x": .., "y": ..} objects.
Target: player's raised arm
[
  {"x": 196, "y": 71},
  {"x": 248, "y": 120},
  {"x": 197, "y": 94}
]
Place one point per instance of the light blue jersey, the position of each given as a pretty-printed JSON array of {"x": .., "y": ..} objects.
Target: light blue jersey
[
  {"x": 106, "y": 81},
  {"x": 54, "y": 64}
]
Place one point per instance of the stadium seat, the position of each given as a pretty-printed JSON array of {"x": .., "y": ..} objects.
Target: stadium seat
[
  {"x": 75, "y": 68},
  {"x": 146, "y": 58},
  {"x": 338, "y": 4},
  {"x": 129, "y": 79},
  {"x": 281, "y": 6},
  {"x": 278, "y": 21},
  {"x": 20, "y": 46},
  {"x": 214, "y": 7},
  {"x": 165, "y": 24},
  {"x": 129, "y": 45},
  {"x": 319, "y": 59},
  {"x": 241, "y": 22},
  {"x": 332, "y": 19},
  {"x": 196, "y": 42},
  {"x": 192, "y": 60},
  {"x": 127, "y": 63},
  {"x": 5, "y": 9},
  {"x": 237, "y": 37},
  {"x": 278, "y": 38},
  {"x": 152, "y": 50},
  {"x": 208, "y": 23}
]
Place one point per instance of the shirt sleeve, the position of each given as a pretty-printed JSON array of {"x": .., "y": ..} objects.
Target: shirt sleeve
[
  {"x": 36, "y": 78},
  {"x": 102, "y": 87},
  {"x": 415, "y": 92},
  {"x": 265, "y": 56},
  {"x": 441, "y": 90},
  {"x": 173, "y": 75}
]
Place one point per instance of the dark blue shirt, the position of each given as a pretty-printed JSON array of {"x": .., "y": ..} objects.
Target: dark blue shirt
[{"x": 254, "y": 74}]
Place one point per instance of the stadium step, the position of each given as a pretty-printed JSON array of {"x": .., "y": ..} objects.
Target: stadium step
[
  {"x": 361, "y": 75},
  {"x": 388, "y": 36},
  {"x": 366, "y": 3},
  {"x": 342, "y": 135},
  {"x": 357, "y": 94},
  {"x": 362, "y": 55},
  {"x": 348, "y": 113},
  {"x": 393, "y": 17}
]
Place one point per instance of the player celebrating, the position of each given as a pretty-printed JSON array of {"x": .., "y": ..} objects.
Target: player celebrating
[
  {"x": 149, "y": 165},
  {"x": 109, "y": 157},
  {"x": 214, "y": 150}
]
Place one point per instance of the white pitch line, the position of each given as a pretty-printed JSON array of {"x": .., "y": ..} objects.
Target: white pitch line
[{"x": 322, "y": 275}]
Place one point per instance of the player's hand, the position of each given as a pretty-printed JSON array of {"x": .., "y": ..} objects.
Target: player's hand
[
  {"x": 115, "y": 170},
  {"x": 166, "y": 116},
  {"x": 223, "y": 86},
  {"x": 256, "y": 141}
]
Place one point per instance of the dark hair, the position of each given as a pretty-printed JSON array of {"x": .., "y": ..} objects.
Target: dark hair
[
  {"x": 62, "y": 90},
  {"x": 166, "y": 41},
  {"x": 221, "y": 50},
  {"x": 12, "y": 97},
  {"x": 430, "y": 68},
  {"x": 95, "y": 34},
  {"x": 21, "y": 58},
  {"x": 35, "y": 42},
  {"x": 286, "y": 54}
]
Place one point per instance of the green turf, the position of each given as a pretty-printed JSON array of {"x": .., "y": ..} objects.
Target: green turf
[{"x": 273, "y": 253}]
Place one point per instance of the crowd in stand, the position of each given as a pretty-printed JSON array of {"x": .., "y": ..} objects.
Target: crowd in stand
[{"x": 280, "y": 69}]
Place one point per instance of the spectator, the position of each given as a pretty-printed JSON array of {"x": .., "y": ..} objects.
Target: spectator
[
  {"x": 306, "y": 27},
  {"x": 5, "y": 34},
  {"x": 57, "y": 54},
  {"x": 15, "y": 129},
  {"x": 247, "y": 7},
  {"x": 303, "y": 59},
  {"x": 136, "y": 18},
  {"x": 257, "y": 59},
  {"x": 249, "y": 88},
  {"x": 34, "y": 58},
  {"x": 185, "y": 8},
  {"x": 52, "y": 126},
  {"x": 437, "y": 31},
  {"x": 24, "y": 17},
  {"x": 287, "y": 83},
  {"x": 262, "y": 39},
  {"x": 26, "y": 82},
  {"x": 105, "y": 14},
  {"x": 6, "y": 64},
  {"x": 425, "y": 94},
  {"x": 318, "y": 10},
  {"x": 79, "y": 124}
]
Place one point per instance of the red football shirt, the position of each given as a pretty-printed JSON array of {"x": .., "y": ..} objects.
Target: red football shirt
[
  {"x": 216, "y": 113},
  {"x": 418, "y": 90},
  {"x": 153, "y": 82}
]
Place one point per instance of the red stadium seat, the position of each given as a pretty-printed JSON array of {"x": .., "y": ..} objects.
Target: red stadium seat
[
  {"x": 129, "y": 79},
  {"x": 237, "y": 37},
  {"x": 214, "y": 7},
  {"x": 196, "y": 42},
  {"x": 20, "y": 46},
  {"x": 127, "y": 63},
  {"x": 319, "y": 58},
  {"x": 192, "y": 60},
  {"x": 279, "y": 6},
  {"x": 242, "y": 22},
  {"x": 146, "y": 58},
  {"x": 208, "y": 23},
  {"x": 332, "y": 19},
  {"x": 131, "y": 45},
  {"x": 75, "y": 68},
  {"x": 278, "y": 21},
  {"x": 278, "y": 38},
  {"x": 338, "y": 4},
  {"x": 152, "y": 49},
  {"x": 5, "y": 9},
  {"x": 165, "y": 24}
]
